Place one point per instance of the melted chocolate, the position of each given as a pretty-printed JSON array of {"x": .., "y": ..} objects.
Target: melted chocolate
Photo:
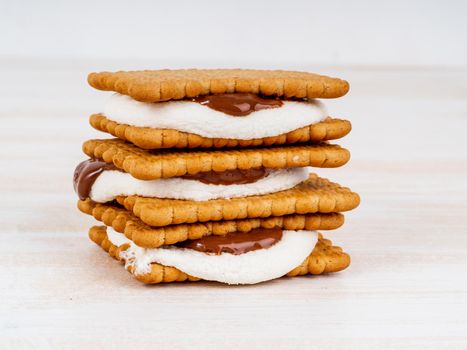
[
  {"x": 235, "y": 243},
  {"x": 86, "y": 174},
  {"x": 239, "y": 104},
  {"x": 230, "y": 177}
]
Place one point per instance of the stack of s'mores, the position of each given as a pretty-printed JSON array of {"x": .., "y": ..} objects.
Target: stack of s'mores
[{"x": 209, "y": 178}]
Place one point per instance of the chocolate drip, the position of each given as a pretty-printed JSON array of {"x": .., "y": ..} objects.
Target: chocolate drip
[
  {"x": 235, "y": 243},
  {"x": 86, "y": 174},
  {"x": 230, "y": 177},
  {"x": 239, "y": 104}
]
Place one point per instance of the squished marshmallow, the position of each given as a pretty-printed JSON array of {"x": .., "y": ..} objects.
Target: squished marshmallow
[
  {"x": 113, "y": 183},
  {"x": 192, "y": 117},
  {"x": 249, "y": 268},
  {"x": 116, "y": 238}
]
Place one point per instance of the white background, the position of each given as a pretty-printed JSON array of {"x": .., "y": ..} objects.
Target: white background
[
  {"x": 406, "y": 64},
  {"x": 239, "y": 33}
]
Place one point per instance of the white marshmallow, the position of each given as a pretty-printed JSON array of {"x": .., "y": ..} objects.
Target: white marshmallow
[
  {"x": 192, "y": 117},
  {"x": 116, "y": 238},
  {"x": 249, "y": 268},
  {"x": 112, "y": 183}
]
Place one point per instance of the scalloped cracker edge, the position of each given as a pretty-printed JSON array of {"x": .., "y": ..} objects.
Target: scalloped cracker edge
[
  {"x": 152, "y": 138},
  {"x": 151, "y": 165},
  {"x": 315, "y": 195},
  {"x": 164, "y": 85},
  {"x": 123, "y": 221}
]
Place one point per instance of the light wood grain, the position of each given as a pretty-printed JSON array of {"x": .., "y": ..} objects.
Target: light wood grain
[{"x": 406, "y": 287}]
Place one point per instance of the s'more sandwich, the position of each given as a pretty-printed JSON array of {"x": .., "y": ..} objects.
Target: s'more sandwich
[{"x": 209, "y": 178}]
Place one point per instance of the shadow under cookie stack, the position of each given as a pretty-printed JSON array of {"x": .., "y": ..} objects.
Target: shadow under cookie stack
[{"x": 209, "y": 178}]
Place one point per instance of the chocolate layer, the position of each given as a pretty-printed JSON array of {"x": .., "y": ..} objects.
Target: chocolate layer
[
  {"x": 86, "y": 174},
  {"x": 230, "y": 177},
  {"x": 239, "y": 104},
  {"x": 235, "y": 243}
]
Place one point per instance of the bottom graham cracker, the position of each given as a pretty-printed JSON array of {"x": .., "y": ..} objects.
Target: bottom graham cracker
[{"x": 325, "y": 258}]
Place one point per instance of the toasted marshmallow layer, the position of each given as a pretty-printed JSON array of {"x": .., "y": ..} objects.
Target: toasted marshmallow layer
[
  {"x": 249, "y": 268},
  {"x": 112, "y": 183},
  {"x": 192, "y": 117}
]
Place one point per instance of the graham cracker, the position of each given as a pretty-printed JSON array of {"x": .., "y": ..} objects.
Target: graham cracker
[
  {"x": 152, "y": 138},
  {"x": 146, "y": 236},
  {"x": 164, "y": 85},
  {"x": 150, "y": 165},
  {"x": 325, "y": 258},
  {"x": 315, "y": 195}
]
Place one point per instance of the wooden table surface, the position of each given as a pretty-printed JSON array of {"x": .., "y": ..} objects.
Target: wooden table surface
[{"x": 406, "y": 287}]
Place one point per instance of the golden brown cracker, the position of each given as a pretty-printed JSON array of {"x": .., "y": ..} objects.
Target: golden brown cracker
[
  {"x": 325, "y": 258},
  {"x": 316, "y": 195},
  {"x": 151, "y": 138},
  {"x": 150, "y": 165},
  {"x": 153, "y": 237},
  {"x": 164, "y": 85}
]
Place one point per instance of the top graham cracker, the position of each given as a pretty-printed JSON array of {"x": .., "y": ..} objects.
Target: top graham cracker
[{"x": 165, "y": 85}]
